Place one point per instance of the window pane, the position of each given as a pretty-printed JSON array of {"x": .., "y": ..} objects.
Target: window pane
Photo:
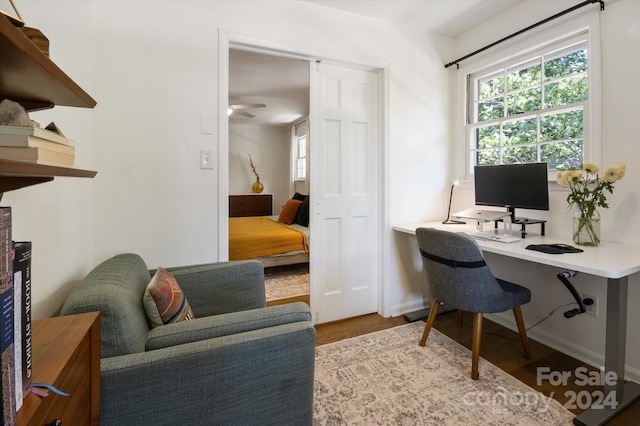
[
  {"x": 566, "y": 91},
  {"x": 573, "y": 63},
  {"x": 566, "y": 125},
  {"x": 531, "y": 111},
  {"x": 490, "y": 86},
  {"x": 520, "y": 132},
  {"x": 527, "y": 76},
  {"x": 563, "y": 155},
  {"x": 488, "y": 137},
  {"x": 520, "y": 154},
  {"x": 488, "y": 157},
  {"x": 525, "y": 101},
  {"x": 491, "y": 109}
]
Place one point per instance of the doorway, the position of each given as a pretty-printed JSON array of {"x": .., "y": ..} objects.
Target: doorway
[
  {"x": 343, "y": 243},
  {"x": 268, "y": 111}
]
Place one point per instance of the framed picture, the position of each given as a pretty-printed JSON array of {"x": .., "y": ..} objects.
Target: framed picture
[{"x": 8, "y": 9}]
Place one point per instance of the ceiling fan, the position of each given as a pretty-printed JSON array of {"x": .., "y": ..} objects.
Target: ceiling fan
[{"x": 240, "y": 109}]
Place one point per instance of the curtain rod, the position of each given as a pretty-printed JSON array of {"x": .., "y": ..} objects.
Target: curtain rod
[{"x": 530, "y": 27}]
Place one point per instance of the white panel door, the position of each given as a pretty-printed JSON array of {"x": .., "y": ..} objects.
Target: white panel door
[{"x": 345, "y": 248}]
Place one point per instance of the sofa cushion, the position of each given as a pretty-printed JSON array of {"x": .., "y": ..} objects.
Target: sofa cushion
[
  {"x": 115, "y": 288},
  {"x": 164, "y": 302}
]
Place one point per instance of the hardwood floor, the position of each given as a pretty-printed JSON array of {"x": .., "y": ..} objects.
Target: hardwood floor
[{"x": 500, "y": 346}]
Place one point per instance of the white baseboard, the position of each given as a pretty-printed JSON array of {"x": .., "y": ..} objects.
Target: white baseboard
[
  {"x": 405, "y": 308},
  {"x": 578, "y": 352}
]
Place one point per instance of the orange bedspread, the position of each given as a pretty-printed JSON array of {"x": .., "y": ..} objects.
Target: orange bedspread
[{"x": 251, "y": 237}]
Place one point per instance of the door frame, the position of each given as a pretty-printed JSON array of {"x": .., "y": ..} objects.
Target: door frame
[{"x": 228, "y": 39}]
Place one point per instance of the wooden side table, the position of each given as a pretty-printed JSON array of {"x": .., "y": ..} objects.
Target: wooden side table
[{"x": 66, "y": 354}]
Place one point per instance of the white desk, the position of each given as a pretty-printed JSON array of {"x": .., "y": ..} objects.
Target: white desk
[{"x": 613, "y": 261}]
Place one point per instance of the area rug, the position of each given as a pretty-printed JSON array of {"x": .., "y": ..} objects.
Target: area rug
[
  {"x": 385, "y": 378},
  {"x": 282, "y": 282}
]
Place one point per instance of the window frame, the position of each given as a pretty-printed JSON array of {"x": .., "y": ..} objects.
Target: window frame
[
  {"x": 302, "y": 139},
  {"x": 536, "y": 57},
  {"x": 517, "y": 52}
]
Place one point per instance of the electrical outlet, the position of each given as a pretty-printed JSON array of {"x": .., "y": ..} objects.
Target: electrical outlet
[{"x": 593, "y": 308}]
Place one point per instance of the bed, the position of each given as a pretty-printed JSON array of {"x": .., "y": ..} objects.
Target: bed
[{"x": 265, "y": 239}]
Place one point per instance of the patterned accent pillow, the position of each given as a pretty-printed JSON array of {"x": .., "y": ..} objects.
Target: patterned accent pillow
[
  {"x": 289, "y": 211},
  {"x": 163, "y": 300}
]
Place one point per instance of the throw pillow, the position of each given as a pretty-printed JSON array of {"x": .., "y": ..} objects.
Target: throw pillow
[
  {"x": 288, "y": 213},
  {"x": 163, "y": 300},
  {"x": 299, "y": 196},
  {"x": 302, "y": 218}
]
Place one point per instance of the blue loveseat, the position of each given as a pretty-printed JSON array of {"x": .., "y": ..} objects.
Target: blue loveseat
[{"x": 237, "y": 363}]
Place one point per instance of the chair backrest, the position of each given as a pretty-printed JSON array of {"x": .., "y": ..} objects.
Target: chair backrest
[
  {"x": 456, "y": 272},
  {"x": 115, "y": 288}
]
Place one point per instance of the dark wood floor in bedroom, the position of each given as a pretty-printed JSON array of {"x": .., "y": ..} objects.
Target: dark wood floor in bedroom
[{"x": 500, "y": 346}]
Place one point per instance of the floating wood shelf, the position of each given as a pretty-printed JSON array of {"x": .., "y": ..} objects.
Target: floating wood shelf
[
  {"x": 20, "y": 174},
  {"x": 29, "y": 77}
]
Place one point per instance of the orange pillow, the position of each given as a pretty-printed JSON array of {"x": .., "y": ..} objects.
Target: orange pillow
[{"x": 289, "y": 211}]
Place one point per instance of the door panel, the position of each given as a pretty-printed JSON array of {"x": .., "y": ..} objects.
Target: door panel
[{"x": 345, "y": 162}]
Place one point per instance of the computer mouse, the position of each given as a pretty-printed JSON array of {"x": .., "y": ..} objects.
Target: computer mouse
[{"x": 562, "y": 246}]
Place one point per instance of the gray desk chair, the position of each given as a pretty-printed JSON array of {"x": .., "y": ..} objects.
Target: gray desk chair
[{"x": 460, "y": 279}]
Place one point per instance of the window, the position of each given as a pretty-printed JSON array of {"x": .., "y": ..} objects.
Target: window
[
  {"x": 301, "y": 158},
  {"x": 531, "y": 108}
]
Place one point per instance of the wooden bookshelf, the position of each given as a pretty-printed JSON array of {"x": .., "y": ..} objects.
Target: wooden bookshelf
[
  {"x": 66, "y": 350},
  {"x": 20, "y": 174},
  {"x": 29, "y": 77}
]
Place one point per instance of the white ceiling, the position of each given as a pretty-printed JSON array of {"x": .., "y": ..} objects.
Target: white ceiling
[
  {"x": 280, "y": 83},
  {"x": 445, "y": 17},
  {"x": 283, "y": 83}
]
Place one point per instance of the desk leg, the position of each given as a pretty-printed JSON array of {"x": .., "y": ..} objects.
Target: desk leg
[{"x": 614, "y": 356}]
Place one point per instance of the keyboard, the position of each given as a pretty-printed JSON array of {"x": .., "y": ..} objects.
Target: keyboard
[{"x": 492, "y": 236}]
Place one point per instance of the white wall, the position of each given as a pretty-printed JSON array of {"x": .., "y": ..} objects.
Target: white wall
[
  {"x": 269, "y": 147},
  {"x": 153, "y": 68},
  {"x": 582, "y": 336}
]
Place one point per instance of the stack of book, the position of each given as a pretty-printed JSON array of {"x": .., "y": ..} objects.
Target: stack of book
[
  {"x": 15, "y": 320},
  {"x": 36, "y": 145}
]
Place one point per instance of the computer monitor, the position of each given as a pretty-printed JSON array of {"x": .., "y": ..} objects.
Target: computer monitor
[{"x": 513, "y": 186}]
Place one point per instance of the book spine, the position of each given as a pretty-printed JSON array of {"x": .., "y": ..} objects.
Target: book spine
[
  {"x": 22, "y": 328},
  {"x": 7, "y": 363}
]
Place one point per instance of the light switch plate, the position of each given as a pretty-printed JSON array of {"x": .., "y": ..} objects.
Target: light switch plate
[
  {"x": 207, "y": 124},
  {"x": 205, "y": 160}
]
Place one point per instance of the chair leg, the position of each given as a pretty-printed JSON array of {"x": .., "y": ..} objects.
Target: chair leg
[
  {"x": 517, "y": 312},
  {"x": 475, "y": 345},
  {"x": 460, "y": 317},
  {"x": 433, "y": 312}
]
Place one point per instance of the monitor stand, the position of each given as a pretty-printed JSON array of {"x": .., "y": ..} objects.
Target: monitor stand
[{"x": 523, "y": 222}]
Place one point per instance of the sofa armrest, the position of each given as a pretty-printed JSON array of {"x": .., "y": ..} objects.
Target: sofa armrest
[
  {"x": 260, "y": 377},
  {"x": 226, "y": 324},
  {"x": 219, "y": 288}
]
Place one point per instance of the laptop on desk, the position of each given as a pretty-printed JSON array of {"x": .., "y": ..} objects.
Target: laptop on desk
[{"x": 480, "y": 215}]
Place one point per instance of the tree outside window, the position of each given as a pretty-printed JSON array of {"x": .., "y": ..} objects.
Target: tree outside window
[{"x": 532, "y": 111}]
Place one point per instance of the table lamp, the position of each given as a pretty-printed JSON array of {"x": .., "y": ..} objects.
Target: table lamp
[{"x": 448, "y": 221}]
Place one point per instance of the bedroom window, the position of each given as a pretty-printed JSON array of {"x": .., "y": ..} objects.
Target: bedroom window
[
  {"x": 301, "y": 158},
  {"x": 531, "y": 108}
]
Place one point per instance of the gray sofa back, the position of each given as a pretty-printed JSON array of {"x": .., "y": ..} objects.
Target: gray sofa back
[{"x": 115, "y": 288}]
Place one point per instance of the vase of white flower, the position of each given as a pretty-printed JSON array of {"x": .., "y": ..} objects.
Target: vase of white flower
[
  {"x": 586, "y": 228},
  {"x": 587, "y": 190}
]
